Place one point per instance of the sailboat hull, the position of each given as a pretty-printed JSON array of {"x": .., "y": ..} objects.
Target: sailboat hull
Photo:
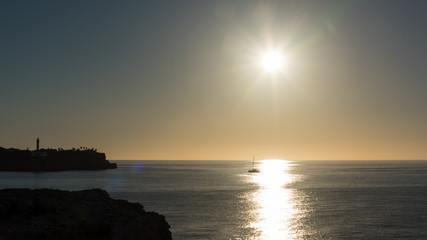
[{"x": 253, "y": 170}]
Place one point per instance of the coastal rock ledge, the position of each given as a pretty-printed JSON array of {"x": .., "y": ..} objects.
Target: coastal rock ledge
[{"x": 87, "y": 214}]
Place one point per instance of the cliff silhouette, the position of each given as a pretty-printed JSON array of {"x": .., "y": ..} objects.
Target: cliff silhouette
[
  {"x": 67, "y": 215},
  {"x": 40, "y": 160}
]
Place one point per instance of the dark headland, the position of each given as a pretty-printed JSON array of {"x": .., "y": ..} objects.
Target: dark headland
[
  {"x": 41, "y": 160},
  {"x": 88, "y": 214}
]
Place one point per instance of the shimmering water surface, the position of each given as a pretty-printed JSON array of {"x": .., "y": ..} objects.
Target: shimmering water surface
[{"x": 286, "y": 200}]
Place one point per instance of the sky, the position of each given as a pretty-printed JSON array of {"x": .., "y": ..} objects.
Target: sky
[{"x": 178, "y": 80}]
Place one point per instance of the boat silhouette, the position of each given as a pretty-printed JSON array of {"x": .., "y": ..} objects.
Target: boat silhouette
[{"x": 253, "y": 169}]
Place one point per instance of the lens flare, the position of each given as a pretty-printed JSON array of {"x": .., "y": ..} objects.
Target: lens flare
[{"x": 138, "y": 166}]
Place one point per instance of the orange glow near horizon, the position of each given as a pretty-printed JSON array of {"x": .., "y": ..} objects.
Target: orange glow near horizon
[{"x": 297, "y": 80}]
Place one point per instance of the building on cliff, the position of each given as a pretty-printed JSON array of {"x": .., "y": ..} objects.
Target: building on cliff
[
  {"x": 47, "y": 159},
  {"x": 38, "y": 153}
]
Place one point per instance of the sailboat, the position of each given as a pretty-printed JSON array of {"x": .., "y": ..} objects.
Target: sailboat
[{"x": 253, "y": 169}]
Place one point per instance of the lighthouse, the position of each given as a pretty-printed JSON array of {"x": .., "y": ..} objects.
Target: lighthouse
[{"x": 37, "y": 153}]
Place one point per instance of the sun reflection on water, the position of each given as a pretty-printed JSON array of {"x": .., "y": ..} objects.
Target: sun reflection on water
[{"x": 274, "y": 203}]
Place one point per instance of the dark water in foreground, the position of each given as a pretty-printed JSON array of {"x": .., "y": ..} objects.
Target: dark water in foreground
[{"x": 287, "y": 200}]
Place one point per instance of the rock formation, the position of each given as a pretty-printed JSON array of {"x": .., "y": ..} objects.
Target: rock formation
[
  {"x": 53, "y": 160},
  {"x": 88, "y": 214}
]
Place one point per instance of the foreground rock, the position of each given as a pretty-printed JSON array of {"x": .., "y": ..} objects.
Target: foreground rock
[{"x": 87, "y": 214}]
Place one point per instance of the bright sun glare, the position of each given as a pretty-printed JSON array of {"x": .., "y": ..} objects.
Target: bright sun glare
[
  {"x": 274, "y": 202},
  {"x": 272, "y": 61}
]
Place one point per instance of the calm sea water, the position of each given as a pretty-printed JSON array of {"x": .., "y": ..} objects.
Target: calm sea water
[{"x": 286, "y": 200}]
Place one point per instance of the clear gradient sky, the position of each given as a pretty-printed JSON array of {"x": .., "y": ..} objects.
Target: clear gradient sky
[{"x": 181, "y": 79}]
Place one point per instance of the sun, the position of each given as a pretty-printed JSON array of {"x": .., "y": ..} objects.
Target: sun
[{"x": 272, "y": 60}]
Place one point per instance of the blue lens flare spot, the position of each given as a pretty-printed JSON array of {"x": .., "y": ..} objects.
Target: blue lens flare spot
[{"x": 138, "y": 166}]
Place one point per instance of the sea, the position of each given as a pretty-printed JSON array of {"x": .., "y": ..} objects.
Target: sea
[{"x": 285, "y": 200}]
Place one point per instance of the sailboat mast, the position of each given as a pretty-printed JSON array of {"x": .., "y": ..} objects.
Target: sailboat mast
[{"x": 253, "y": 161}]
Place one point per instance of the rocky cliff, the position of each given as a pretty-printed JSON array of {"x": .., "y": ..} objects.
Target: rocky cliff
[
  {"x": 87, "y": 214},
  {"x": 53, "y": 160}
]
